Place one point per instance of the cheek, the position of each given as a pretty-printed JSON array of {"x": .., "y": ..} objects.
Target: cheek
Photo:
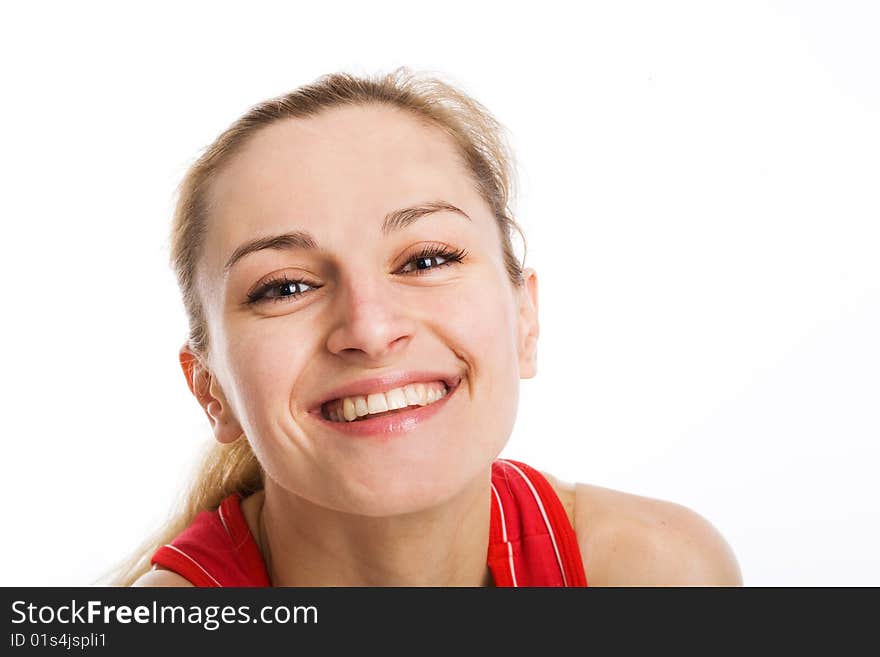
[
  {"x": 264, "y": 361},
  {"x": 480, "y": 323},
  {"x": 483, "y": 323}
]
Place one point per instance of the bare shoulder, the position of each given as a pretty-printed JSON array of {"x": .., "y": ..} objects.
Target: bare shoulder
[
  {"x": 630, "y": 540},
  {"x": 160, "y": 576}
]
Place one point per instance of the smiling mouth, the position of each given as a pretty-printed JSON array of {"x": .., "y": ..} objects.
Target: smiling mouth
[{"x": 421, "y": 395}]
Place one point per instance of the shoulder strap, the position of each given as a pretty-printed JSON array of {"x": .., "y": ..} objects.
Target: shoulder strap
[
  {"x": 217, "y": 549},
  {"x": 531, "y": 541}
]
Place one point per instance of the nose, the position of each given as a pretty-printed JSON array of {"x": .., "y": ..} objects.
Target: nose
[{"x": 371, "y": 323}]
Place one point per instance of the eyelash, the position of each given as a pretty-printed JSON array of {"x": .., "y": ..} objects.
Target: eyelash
[{"x": 432, "y": 251}]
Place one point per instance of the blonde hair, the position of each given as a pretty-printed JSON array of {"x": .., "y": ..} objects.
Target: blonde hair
[{"x": 480, "y": 141}]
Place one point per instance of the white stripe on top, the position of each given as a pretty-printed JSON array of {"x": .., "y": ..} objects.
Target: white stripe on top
[
  {"x": 504, "y": 535},
  {"x": 176, "y": 549},
  {"x": 223, "y": 520},
  {"x": 546, "y": 520}
]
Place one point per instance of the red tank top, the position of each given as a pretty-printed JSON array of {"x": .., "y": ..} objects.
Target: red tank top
[{"x": 531, "y": 541}]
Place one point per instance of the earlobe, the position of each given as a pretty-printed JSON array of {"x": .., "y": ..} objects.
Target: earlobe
[
  {"x": 528, "y": 325},
  {"x": 225, "y": 425},
  {"x": 205, "y": 388}
]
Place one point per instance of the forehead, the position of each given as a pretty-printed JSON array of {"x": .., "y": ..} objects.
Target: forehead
[
  {"x": 360, "y": 139},
  {"x": 344, "y": 166}
]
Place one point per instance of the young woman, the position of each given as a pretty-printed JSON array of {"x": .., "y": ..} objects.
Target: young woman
[{"x": 359, "y": 325}]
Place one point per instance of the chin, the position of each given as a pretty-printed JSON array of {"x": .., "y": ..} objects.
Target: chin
[{"x": 392, "y": 492}]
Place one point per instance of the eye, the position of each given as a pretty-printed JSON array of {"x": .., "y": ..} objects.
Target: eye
[
  {"x": 434, "y": 252},
  {"x": 278, "y": 289},
  {"x": 283, "y": 289}
]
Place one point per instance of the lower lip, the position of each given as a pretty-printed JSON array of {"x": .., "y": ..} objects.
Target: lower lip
[{"x": 389, "y": 425}]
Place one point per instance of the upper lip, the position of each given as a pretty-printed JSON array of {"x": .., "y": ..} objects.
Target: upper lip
[{"x": 385, "y": 383}]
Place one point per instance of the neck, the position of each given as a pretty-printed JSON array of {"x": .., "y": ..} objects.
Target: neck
[{"x": 304, "y": 544}]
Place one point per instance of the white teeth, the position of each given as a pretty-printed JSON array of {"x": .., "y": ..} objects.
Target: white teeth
[
  {"x": 417, "y": 394},
  {"x": 412, "y": 395},
  {"x": 377, "y": 403},
  {"x": 396, "y": 399},
  {"x": 360, "y": 406},
  {"x": 348, "y": 411}
]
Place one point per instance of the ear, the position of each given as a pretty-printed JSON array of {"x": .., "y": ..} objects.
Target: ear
[
  {"x": 205, "y": 388},
  {"x": 528, "y": 325}
]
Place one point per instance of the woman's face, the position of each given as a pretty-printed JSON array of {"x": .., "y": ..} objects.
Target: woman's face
[{"x": 360, "y": 311}]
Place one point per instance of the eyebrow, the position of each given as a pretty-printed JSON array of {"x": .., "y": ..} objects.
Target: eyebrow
[{"x": 303, "y": 240}]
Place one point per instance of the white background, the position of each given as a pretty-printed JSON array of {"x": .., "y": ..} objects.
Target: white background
[{"x": 699, "y": 190}]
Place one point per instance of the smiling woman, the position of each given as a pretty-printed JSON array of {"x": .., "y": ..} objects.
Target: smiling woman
[{"x": 359, "y": 325}]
